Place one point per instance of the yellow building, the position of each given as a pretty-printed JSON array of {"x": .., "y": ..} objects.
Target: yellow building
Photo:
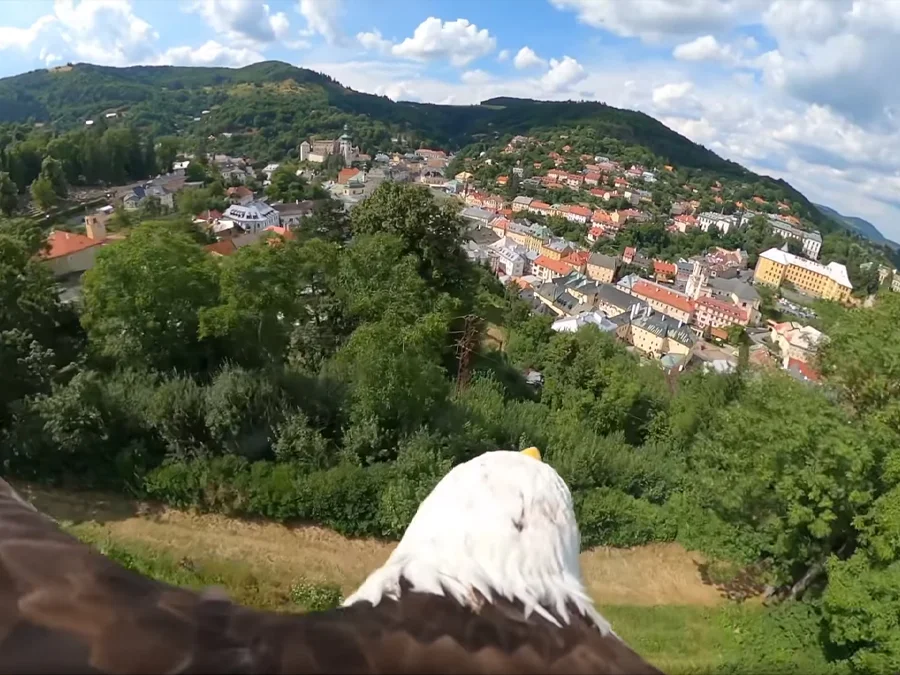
[{"x": 829, "y": 282}]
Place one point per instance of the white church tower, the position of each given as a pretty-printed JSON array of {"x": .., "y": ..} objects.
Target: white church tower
[
  {"x": 346, "y": 147},
  {"x": 697, "y": 281},
  {"x": 304, "y": 151}
]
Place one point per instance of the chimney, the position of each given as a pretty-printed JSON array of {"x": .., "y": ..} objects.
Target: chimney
[{"x": 95, "y": 226}]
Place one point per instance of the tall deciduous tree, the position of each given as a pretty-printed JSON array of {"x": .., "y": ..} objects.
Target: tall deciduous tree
[
  {"x": 428, "y": 230},
  {"x": 143, "y": 297},
  {"x": 9, "y": 198}
]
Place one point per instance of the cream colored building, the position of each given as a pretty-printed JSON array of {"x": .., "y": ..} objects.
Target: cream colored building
[
  {"x": 601, "y": 268},
  {"x": 829, "y": 282},
  {"x": 796, "y": 341},
  {"x": 73, "y": 253}
]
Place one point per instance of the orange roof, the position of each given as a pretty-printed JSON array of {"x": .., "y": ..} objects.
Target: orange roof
[
  {"x": 62, "y": 244},
  {"x": 663, "y": 267},
  {"x": 671, "y": 298},
  {"x": 557, "y": 266},
  {"x": 346, "y": 174},
  {"x": 240, "y": 191},
  {"x": 212, "y": 214},
  {"x": 224, "y": 247},
  {"x": 580, "y": 211},
  {"x": 506, "y": 212},
  {"x": 539, "y": 205},
  {"x": 577, "y": 258},
  {"x": 283, "y": 231}
]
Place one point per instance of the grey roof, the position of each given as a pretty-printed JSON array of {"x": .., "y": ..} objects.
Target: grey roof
[
  {"x": 741, "y": 289},
  {"x": 482, "y": 235},
  {"x": 474, "y": 213},
  {"x": 292, "y": 208},
  {"x": 604, "y": 261},
  {"x": 664, "y": 326},
  {"x": 614, "y": 296}
]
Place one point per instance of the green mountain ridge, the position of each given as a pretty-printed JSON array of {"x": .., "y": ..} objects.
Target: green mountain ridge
[
  {"x": 856, "y": 224},
  {"x": 265, "y": 109}
]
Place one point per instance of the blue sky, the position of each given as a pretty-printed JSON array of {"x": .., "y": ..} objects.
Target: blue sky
[{"x": 800, "y": 89}]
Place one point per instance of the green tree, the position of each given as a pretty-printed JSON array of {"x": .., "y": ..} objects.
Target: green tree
[
  {"x": 265, "y": 293},
  {"x": 9, "y": 198},
  {"x": 428, "y": 230},
  {"x": 143, "y": 297},
  {"x": 166, "y": 152},
  {"x": 43, "y": 194}
]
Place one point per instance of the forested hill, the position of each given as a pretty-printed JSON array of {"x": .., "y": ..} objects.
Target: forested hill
[
  {"x": 859, "y": 225},
  {"x": 263, "y": 110},
  {"x": 267, "y": 97}
]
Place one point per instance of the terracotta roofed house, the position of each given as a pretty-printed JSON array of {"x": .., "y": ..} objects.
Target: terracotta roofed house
[
  {"x": 70, "y": 252},
  {"x": 668, "y": 302}
]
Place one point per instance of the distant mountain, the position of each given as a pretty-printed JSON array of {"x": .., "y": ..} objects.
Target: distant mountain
[
  {"x": 264, "y": 109},
  {"x": 858, "y": 225}
]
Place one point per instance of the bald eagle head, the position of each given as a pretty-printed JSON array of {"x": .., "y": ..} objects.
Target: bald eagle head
[{"x": 500, "y": 526}]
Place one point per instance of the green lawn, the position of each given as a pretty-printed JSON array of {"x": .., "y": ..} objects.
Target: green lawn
[{"x": 677, "y": 638}]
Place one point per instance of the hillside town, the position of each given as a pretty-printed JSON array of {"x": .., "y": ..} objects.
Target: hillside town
[{"x": 695, "y": 311}]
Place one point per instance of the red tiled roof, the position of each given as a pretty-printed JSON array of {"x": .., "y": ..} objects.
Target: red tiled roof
[
  {"x": 630, "y": 251},
  {"x": 671, "y": 298},
  {"x": 580, "y": 211},
  {"x": 62, "y": 244},
  {"x": 224, "y": 247},
  {"x": 577, "y": 258},
  {"x": 663, "y": 267},
  {"x": 346, "y": 174},
  {"x": 726, "y": 308},
  {"x": 557, "y": 266},
  {"x": 539, "y": 206},
  {"x": 805, "y": 369}
]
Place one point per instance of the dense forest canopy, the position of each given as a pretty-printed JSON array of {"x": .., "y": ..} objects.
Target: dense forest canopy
[{"x": 319, "y": 378}]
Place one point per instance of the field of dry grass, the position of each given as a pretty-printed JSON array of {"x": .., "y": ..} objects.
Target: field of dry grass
[
  {"x": 654, "y": 595},
  {"x": 659, "y": 574}
]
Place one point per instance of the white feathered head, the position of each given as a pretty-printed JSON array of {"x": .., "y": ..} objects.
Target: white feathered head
[{"x": 501, "y": 525}]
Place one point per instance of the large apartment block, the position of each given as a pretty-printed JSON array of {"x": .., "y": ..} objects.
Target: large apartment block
[{"x": 829, "y": 282}]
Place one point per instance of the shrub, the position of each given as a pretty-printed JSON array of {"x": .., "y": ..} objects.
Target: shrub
[{"x": 609, "y": 517}]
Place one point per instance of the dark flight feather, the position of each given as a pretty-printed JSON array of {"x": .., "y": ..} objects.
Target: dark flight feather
[{"x": 65, "y": 608}]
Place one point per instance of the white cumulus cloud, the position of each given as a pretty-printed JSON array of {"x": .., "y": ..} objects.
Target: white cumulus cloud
[
  {"x": 670, "y": 92},
  {"x": 503, "y": 55},
  {"x": 563, "y": 74},
  {"x": 373, "y": 41},
  {"x": 246, "y": 22},
  {"x": 476, "y": 77},
  {"x": 656, "y": 19},
  {"x": 460, "y": 42},
  {"x": 526, "y": 58},
  {"x": 211, "y": 53},
  {"x": 322, "y": 18}
]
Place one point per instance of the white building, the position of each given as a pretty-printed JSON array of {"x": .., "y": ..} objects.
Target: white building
[
  {"x": 571, "y": 324},
  {"x": 506, "y": 260},
  {"x": 720, "y": 221},
  {"x": 252, "y": 217},
  {"x": 811, "y": 242}
]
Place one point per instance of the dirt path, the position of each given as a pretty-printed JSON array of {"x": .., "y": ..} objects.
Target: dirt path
[{"x": 659, "y": 574}]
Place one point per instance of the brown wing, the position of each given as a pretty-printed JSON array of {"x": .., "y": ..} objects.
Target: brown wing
[{"x": 65, "y": 608}]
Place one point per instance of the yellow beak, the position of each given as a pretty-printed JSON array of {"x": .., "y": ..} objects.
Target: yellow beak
[{"x": 532, "y": 452}]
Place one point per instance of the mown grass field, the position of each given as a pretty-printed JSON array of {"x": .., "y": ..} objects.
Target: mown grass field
[{"x": 653, "y": 595}]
